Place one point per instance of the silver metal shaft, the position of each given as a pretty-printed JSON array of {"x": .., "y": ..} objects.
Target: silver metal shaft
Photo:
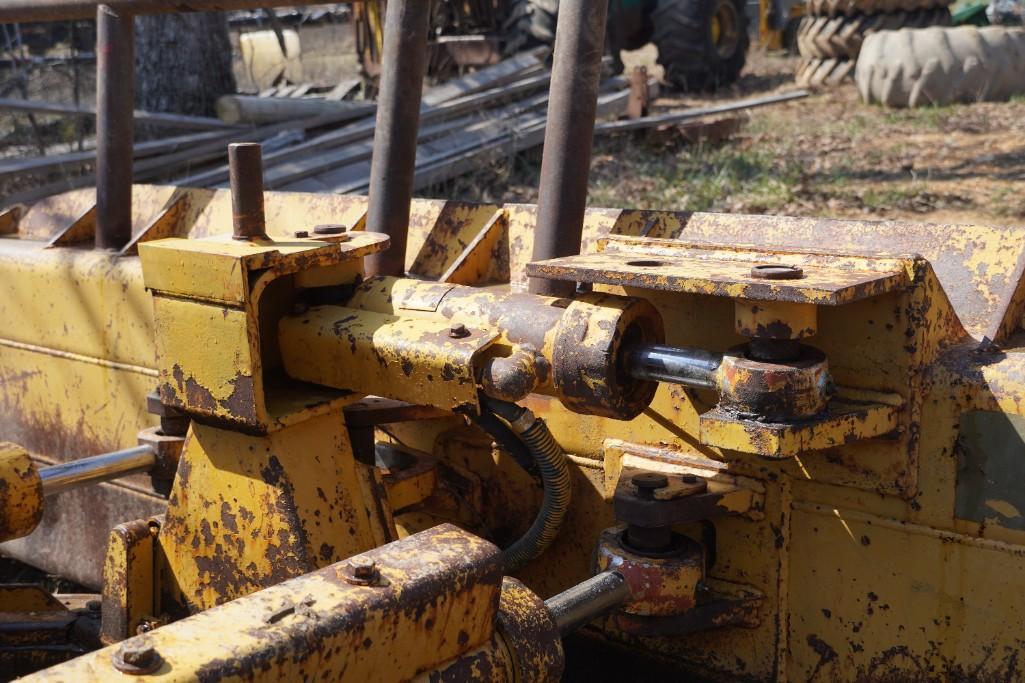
[
  {"x": 587, "y": 601},
  {"x": 689, "y": 367},
  {"x": 99, "y": 468}
]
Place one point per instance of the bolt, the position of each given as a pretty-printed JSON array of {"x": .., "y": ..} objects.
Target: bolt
[
  {"x": 776, "y": 271},
  {"x": 329, "y": 229},
  {"x": 137, "y": 656},
  {"x": 363, "y": 568},
  {"x": 300, "y": 234},
  {"x": 649, "y": 481},
  {"x": 458, "y": 331},
  {"x": 300, "y": 307},
  {"x": 690, "y": 479}
]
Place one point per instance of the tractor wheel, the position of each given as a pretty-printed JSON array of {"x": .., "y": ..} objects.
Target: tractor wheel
[
  {"x": 818, "y": 73},
  {"x": 530, "y": 23},
  {"x": 841, "y": 37},
  {"x": 702, "y": 44}
]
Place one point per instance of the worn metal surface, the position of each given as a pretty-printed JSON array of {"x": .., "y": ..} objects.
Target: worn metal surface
[
  {"x": 588, "y": 600},
  {"x": 923, "y": 550},
  {"x": 439, "y": 598},
  {"x": 21, "y": 493},
  {"x": 115, "y": 116},
  {"x": 276, "y": 506},
  {"x": 38, "y": 629},
  {"x": 393, "y": 165},
  {"x": 666, "y": 585},
  {"x": 566, "y": 163},
  {"x": 409, "y": 359},
  {"x": 129, "y": 580}
]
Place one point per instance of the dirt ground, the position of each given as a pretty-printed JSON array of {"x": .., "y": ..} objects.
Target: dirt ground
[{"x": 826, "y": 155}]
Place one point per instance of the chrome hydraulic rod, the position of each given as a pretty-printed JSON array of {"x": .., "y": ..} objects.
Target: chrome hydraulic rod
[
  {"x": 690, "y": 367},
  {"x": 79, "y": 473},
  {"x": 584, "y": 602}
]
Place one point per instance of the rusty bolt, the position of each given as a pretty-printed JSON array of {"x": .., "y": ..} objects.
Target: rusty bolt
[
  {"x": 776, "y": 271},
  {"x": 649, "y": 481},
  {"x": 137, "y": 657},
  {"x": 363, "y": 568},
  {"x": 458, "y": 331},
  {"x": 362, "y": 571},
  {"x": 300, "y": 234},
  {"x": 329, "y": 230}
]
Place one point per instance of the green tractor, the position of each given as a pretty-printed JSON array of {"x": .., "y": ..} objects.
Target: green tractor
[{"x": 702, "y": 44}]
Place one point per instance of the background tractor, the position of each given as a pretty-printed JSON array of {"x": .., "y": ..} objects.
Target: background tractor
[{"x": 702, "y": 44}]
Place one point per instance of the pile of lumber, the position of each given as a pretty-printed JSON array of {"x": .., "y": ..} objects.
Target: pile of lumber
[{"x": 325, "y": 145}]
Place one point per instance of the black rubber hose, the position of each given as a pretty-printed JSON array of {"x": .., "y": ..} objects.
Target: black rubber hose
[
  {"x": 558, "y": 487},
  {"x": 507, "y": 440}
]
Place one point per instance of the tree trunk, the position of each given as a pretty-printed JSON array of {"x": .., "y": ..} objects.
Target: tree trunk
[{"x": 183, "y": 62}]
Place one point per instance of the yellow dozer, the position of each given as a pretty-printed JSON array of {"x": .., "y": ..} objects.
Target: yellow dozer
[{"x": 286, "y": 437}]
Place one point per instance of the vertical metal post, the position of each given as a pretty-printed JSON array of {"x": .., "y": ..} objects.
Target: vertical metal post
[
  {"x": 572, "y": 105},
  {"x": 115, "y": 105},
  {"x": 245, "y": 172},
  {"x": 393, "y": 165}
]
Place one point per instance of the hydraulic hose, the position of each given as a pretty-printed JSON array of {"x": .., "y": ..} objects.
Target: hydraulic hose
[
  {"x": 507, "y": 439},
  {"x": 551, "y": 463}
]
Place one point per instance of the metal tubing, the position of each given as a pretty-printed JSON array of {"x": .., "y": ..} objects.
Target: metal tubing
[
  {"x": 393, "y": 165},
  {"x": 576, "y": 74},
  {"x": 79, "y": 473},
  {"x": 587, "y": 601},
  {"x": 245, "y": 172},
  {"x": 689, "y": 367},
  {"x": 115, "y": 105},
  {"x": 12, "y": 11}
]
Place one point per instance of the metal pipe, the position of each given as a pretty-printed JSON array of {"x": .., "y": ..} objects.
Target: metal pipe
[
  {"x": 245, "y": 172},
  {"x": 690, "y": 367},
  {"x": 587, "y": 601},
  {"x": 99, "y": 468},
  {"x": 393, "y": 164},
  {"x": 573, "y": 103},
  {"x": 12, "y": 11},
  {"x": 115, "y": 105}
]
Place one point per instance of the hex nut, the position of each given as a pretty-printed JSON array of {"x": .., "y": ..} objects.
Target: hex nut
[{"x": 137, "y": 657}]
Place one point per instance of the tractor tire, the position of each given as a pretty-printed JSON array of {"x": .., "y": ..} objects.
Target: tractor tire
[
  {"x": 841, "y": 37},
  {"x": 939, "y": 66},
  {"x": 850, "y": 8},
  {"x": 820, "y": 73},
  {"x": 530, "y": 24},
  {"x": 702, "y": 44}
]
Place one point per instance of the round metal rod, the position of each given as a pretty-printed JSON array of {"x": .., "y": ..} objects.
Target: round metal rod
[
  {"x": 99, "y": 468},
  {"x": 245, "y": 170},
  {"x": 587, "y": 601},
  {"x": 12, "y": 11},
  {"x": 689, "y": 367},
  {"x": 566, "y": 164},
  {"x": 393, "y": 165},
  {"x": 115, "y": 104}
]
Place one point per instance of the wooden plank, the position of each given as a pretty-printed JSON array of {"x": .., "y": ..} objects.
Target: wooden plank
[{"x": 249, "y": 109}]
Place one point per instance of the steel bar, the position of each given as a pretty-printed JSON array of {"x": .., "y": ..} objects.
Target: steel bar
[
  {"x": 689, "y": 367},
  {"x": 99, "y": 468},
  {"x": 246, "y": 175},
  {"x": 12, "y": 11},
  {"x": 565, "y": 166},
  {"x": 115, "y": 97},
  {"x": 157, "y": 119},
  {"x": 587, "y": 601},
  {"x": 392, "y": 167},
  {"x": 688, "y": 114}
]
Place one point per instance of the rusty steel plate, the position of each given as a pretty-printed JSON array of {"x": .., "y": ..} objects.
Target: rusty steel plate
[{"x": 691, "y": 275}]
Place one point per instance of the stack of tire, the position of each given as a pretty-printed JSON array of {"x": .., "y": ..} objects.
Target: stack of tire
[{"x": 832, "y": 31}]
